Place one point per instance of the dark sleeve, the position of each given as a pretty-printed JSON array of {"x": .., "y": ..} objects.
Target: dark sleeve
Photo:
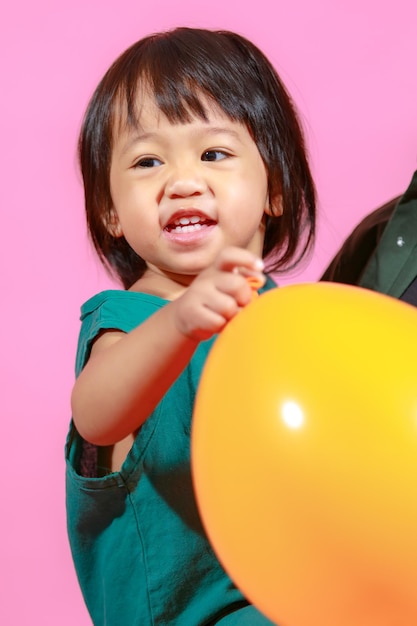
[{"x": 350, "y": 261}]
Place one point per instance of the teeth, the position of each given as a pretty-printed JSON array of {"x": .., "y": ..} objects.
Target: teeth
[
  {"x": 184, "y": 221},
  {"x": 188, "y": 228}
]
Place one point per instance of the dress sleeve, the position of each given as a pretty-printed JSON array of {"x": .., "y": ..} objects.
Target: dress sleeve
[
  {"x": 112, "y": 309},
  {"x": 120, "y": 310}
]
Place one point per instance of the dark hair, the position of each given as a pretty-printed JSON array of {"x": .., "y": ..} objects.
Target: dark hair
[{"x": 181, "y": 67}]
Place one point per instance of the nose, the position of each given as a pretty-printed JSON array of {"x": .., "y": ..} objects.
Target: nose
[{"x": 184, "y": 182}]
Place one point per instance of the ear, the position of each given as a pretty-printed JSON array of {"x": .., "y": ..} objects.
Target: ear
[
  {"x": 112, "y": 224},
  {"x": 275, "y": 207}
]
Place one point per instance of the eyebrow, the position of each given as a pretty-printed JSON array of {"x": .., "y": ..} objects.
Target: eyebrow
[
  {"x": 209, "y": 130},
  {"x": 136, "y": 138}
]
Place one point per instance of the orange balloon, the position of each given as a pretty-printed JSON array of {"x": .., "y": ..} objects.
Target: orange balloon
[{"x": 304, "y": 455}]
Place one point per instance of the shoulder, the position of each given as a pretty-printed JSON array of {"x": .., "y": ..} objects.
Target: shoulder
[
  {"x": 121, "y": 310},
  {"x": 120, "y": 302},
  {"x": 355, "y": 252},
  {"x": 112, "y": 309}
]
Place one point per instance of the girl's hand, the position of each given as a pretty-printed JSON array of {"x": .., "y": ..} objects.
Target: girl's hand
[
  {"x": 128, "y": 373},
  {"x": 217, "y": 294}
]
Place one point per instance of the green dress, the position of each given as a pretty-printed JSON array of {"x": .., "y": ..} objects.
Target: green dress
[{"x": 140, "y": 552}]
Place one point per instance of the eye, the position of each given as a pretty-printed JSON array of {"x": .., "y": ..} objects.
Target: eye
[
  {"x": 146, "y": 162},
  {"x": 214, "y": 155}
]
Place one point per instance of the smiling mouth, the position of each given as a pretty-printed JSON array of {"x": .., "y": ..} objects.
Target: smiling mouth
[{"x": 189, "y": 224}]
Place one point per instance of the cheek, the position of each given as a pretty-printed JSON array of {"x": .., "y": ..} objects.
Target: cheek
[
  {"x": 121, "y": 193},
  {"x": 132, "y": 207},
  {"x": 140, "y": 219},
  {"x": 255, "y": 192},
  {"x": 256, "y": 176}
]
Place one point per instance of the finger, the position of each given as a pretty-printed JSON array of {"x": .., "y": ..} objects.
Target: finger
[
  {"x": 226, "y": 299},
  {"x": 232, "y": 258},
  {"x": 234, "y": 285},
  {"x": 255, "y": 280}
]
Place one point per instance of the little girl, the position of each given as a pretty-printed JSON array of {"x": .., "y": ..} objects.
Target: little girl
[{"x": 194, "y": 170}]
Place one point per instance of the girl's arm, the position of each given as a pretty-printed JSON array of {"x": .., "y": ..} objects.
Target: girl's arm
[{"x": 128, "y": 374}]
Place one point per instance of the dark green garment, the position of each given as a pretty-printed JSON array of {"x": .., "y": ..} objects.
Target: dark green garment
[
  {"x": 139, "y": 549},
  {"x": 381, "y": 252}
]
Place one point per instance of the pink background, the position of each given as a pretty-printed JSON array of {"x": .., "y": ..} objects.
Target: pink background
[{"x": 351, "y": 68}]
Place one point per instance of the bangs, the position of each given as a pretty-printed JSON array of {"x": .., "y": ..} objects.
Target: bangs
[{"x": 183, "y": 73}]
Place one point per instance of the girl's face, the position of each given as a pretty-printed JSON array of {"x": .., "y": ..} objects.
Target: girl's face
[{"x": 181, "y": 192}]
